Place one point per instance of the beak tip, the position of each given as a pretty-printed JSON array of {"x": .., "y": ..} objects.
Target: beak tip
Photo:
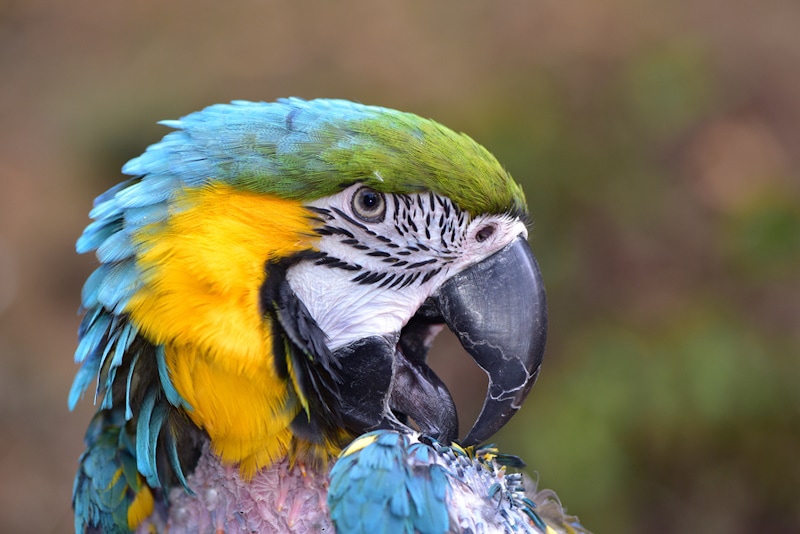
[{"x": 501, "y": 302}]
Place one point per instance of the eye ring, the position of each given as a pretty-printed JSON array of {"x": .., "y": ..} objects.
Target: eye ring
[
  {"x": 368, "y": 205},
  {"x": 484, "y": 233}
]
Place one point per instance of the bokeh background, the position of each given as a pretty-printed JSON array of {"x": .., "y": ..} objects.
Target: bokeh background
[{"x": 657, "y": 141}]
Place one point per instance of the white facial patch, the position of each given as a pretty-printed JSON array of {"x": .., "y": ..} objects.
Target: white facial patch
[{"x": 373, "y": 273}]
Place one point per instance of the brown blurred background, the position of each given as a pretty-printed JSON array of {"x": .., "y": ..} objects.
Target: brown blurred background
[{"x": 658, "y": 143}]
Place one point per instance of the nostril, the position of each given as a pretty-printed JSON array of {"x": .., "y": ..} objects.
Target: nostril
[{"x": 484, "y": 233}]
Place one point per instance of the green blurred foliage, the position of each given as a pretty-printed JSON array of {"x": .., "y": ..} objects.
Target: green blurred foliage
[
  {"x": 763, "y": 240},
  {"x": 669, "y": 407}
]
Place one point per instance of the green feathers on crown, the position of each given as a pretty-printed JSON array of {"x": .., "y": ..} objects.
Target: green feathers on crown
[{"x": 310, "y": 149}]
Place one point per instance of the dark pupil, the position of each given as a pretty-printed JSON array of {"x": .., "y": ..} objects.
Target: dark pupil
[{"x": 369, "y": 201}]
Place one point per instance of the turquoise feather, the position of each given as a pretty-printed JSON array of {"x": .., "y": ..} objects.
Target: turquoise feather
[
  {"x": 390, "y": 485},
  {"x": 386, "y": 482},
  {"x": 106, "y": 482}
]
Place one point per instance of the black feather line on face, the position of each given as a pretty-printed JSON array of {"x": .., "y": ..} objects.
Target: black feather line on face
[
  {"x": 298, "y": 339},
  {"x": 434, "y": 216}
]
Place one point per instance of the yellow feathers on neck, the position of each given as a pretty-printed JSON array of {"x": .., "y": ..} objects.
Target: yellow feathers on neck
[{"x": 203, "y": 269}]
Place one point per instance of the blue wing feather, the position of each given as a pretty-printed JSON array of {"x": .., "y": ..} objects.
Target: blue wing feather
[
  {"x": 105, "y": 484},
  {"x": 390, "y": 482},
  {"x": 377, "y": 489},
  {"x": 136, "y": 218},
  {"x": 96, "y": 233},
  {"x": 144, "y": 462},
  {"x": 116, "y": 247},
  {"x": 173, "y": 397}
]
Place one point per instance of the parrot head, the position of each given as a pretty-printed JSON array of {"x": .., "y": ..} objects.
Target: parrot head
[{"x": 274, "y": 275}]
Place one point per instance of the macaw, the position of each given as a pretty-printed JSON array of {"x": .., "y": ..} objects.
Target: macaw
[{"x": 271, "y": 278}]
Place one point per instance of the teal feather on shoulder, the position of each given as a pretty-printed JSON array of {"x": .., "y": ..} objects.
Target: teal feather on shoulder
[
  {"x": 441, "y": 488},
  {"x": 107, "y": 483},
  {"x": 384, "y": 482}
]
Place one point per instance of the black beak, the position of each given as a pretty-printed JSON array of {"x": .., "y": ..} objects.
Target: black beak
[{"x": 498, "y": 310}]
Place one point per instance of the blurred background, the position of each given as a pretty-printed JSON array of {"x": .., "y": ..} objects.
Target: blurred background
[{"x": 658, "y": 144}]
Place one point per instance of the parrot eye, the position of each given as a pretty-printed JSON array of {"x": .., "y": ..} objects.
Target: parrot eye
[
  {"x": 369, "y": 205},
  {"x": 484, "y": 233}
]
